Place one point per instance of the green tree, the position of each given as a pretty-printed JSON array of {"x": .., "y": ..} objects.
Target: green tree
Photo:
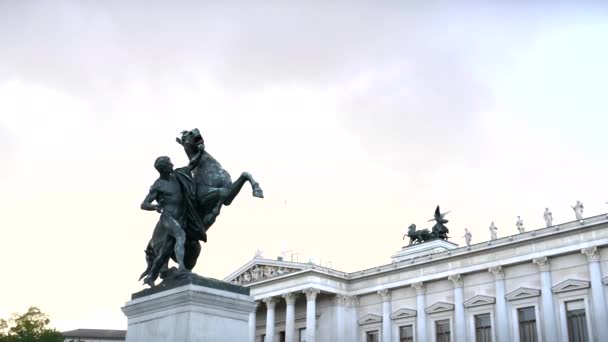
[{"x": 31, "y": 326}]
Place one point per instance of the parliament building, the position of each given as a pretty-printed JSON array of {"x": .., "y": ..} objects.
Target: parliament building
[{"x": 541, "y": 285}]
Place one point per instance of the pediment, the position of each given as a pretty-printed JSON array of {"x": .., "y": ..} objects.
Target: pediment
[
  {"x": 479, "y": 300},
  {"x": 259, "y": 269},
  {"x": 439, "y": 307},
  {"x": 369, "y": 319},
  {"x": 403, "y": 313},
  {"x": 522, "y": 292},
  {"x": 570, "y": 285}
]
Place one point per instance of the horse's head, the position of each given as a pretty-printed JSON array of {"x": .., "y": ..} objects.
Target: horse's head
[
  {"x": 190, "y": 141},
  {"x": 411, "y": 228}
]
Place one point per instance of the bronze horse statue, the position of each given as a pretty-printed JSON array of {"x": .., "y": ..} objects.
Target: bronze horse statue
[
  {"x": 211, "y": 188},
  {"x": 439, "y": 230},
  {"x": 417, "y": 236}
]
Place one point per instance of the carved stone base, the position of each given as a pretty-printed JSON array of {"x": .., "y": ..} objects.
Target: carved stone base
[
  {"x": 188, "y": 312},
  {"x": 423, "y": 249}
]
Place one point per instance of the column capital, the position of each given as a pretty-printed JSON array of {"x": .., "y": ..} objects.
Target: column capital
[
  {"x": 497, "y": 271},
  {"x": 270, "y": 302},
  {"x": 543, "y": 264},
  {"x": 340, "y": 299},
  {"x": 385, "y": 294},
  {"x": 591, "y": 253},
  {"x": 419, "y": 287},
  {"x": 311, "y": 293},
  {"x": 290, "y": 298},
  {"x": 352, "y": 301},
  {"x": 456, "y": 280}
]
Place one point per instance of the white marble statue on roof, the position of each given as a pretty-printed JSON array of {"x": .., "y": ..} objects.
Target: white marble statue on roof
[
  {"x": 467, "y": 237},
  {"x": 578, "y": 210},
  {"x": 493, "y": 231},
  {"x": 520, "y": 225},
  {"x": 548, "y": 217}
]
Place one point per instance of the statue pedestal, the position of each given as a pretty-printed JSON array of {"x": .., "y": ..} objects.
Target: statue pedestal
[
  {"x": 190, "y": 309},
  {"x": 423, "y": 249}
]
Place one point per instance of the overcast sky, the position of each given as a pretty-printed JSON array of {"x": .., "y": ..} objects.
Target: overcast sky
[{"x": 357, "y": 118}]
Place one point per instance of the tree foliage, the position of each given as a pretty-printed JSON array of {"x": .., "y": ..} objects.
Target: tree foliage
[{"x": 31, "y": 326}]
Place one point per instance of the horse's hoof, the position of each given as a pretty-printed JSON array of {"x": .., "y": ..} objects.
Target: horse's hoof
[
  {"x": 258, "y": 193},
  {"x": 149, "y": 282}
]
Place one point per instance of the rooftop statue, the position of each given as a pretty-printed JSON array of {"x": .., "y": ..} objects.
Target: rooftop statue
[
  {"x": 578, "y": 210},
  {"x": 467, "y": 237},
  {"x": 520, "y": 225},
  {"x": 493, "y": 231},
  {"x": 439, "y": 230},
  {"x": 189, "y": 200},
  {"x": 548, "y": 217}
]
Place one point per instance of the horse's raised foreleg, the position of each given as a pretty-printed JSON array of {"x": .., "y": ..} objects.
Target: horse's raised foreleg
[{"x": 237, "y": 185}]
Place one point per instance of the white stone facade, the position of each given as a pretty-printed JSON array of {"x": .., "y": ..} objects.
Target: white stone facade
[{"x": 529, "y": 283}]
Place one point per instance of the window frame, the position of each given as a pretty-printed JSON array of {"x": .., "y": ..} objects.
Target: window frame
[
  {"x": 397, "y": 323},
  {"x": 299, "y": 331},
  {"x": 397, "y": 330},
  {"x": 562, "y": 298},
  {"x": 364, "y": 329},
  {"x": 379, "y": 331},
  {"x": 520, "y": 304},
  {"x": 480, "y": 310},
  {"x": 434, "y": 328},
  {"x": 440, "y": 316}
]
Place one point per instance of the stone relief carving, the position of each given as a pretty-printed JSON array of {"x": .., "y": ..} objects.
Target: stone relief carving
[{"x": 261, "y": 272}]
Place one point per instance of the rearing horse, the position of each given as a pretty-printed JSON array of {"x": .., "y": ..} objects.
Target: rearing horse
[{"x": 214, "y": 187}]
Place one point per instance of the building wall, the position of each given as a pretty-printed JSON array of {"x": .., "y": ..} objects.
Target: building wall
[{"x": 563, "y": 248}]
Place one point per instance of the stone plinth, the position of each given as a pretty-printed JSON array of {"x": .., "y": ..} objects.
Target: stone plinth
[
  {"x": 423, "y": 249},
  {"x": 187, "y": 311}
]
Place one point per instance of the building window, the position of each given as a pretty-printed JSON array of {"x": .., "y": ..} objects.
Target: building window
[
  {"x": 527, "y": 324},
  {"x": 282, "y": 336},
  {"x": 577, "y": 321},
  {"x": 406, "y": 334},
  {"x": 372, "y": 336},
  {"x": 302, "y": 334},
  {"x": 442, "y": 330},
  {"x": 483, "y": 328},
  {"x": 263, "y": 338}
]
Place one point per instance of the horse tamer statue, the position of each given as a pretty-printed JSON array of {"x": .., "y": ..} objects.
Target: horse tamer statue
[{"x": 189, "y": 200}]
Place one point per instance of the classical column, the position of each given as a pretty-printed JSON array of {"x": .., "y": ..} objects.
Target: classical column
[
  {"x": 290, "y": 321},
  {"x": 502, "y": 312},
  {"x": 351, "y": 331},
  {"x": 252, "y": 323},
  {"x": 600, "y": 316},
  {"x": 460, "y": 325},
  {"x": 386, "y": 315},
  {"x": 550, "y": 331},
  {"x": 311, "y": 329},
  {"x": 420, "y": 312},
  {"x": 270, "y": 303},
  {"x": 340, "y": 301}
]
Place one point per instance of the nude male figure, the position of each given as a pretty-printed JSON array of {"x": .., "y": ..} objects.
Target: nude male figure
[{"x": 170, "y": 200}]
